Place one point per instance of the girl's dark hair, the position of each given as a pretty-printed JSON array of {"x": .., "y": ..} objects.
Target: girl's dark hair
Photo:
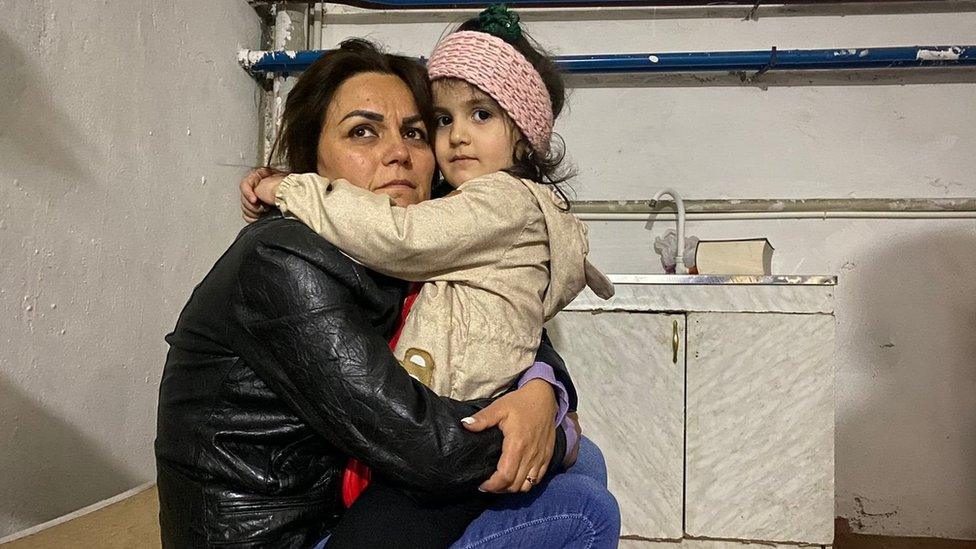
[
  {"x": 296, "y": 145},
  {"x": 527, "y": 164}
]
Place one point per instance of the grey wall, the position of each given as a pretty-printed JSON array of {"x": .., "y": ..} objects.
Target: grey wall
[{"x": 123, "y": 129}]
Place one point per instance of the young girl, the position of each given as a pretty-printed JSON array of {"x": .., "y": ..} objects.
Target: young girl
[{"x": 500, "y": 255}]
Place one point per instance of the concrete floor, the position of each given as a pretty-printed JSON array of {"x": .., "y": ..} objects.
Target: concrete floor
[{"x": 131, "y": 522}]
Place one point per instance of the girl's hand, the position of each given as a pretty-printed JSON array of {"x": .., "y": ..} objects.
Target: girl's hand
[
  {"x": 267, "y": 188},
  {"x": 251, "y": 206},
  {"x": 525, "y": 418}
]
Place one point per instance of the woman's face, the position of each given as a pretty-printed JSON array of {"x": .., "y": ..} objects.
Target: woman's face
[{"x": 374, "y": 137}]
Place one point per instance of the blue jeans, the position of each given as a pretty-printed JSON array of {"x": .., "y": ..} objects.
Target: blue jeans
[{"x": 571, "y": 510}]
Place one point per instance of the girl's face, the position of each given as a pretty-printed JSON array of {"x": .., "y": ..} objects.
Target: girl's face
[
  {"x": 474, "y": 136},
  {"x": 374, "y": 136}
]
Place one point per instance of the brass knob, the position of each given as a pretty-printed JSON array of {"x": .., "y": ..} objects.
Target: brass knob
[{"x": 674, "y": 342}]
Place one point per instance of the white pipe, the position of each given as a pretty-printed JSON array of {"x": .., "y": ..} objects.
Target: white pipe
[
  {"x": 679, "y": 256},
  {"x": 347, "y": 12},
  {"x": 776, "y": 215},
  {"x": 317, "y": 26}
]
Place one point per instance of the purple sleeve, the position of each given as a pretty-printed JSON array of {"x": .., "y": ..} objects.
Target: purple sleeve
[
  {"x": 572, "y": 437},
  {"x": 543, "y": 371}
]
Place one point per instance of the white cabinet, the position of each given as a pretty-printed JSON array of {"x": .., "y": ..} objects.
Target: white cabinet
[
  {"x": 760, "y": 427},
  {"x": 632, "y": 406},
  {"x": 730, "y": 437}
]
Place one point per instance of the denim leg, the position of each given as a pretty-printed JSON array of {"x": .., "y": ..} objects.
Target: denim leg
[
  {"x": 572, "y": 510},
  {"x": 590, "y": 462}
]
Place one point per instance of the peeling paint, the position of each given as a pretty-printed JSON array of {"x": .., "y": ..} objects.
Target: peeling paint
[
  {"x": 283, "y": 28},
  {"x": 248, "y": 58},
  {"x": 862, "y": 514},
  {"x": 951, "y": 54},
  {"x": 944, "y": 185}
]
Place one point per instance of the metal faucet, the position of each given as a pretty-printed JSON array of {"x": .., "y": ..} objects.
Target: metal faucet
[{"x": 679, "y": 257}]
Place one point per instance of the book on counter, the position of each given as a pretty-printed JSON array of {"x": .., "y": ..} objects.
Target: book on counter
[{"x": 743, "y": 256}]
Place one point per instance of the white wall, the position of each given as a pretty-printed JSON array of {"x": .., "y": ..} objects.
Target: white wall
[
  {"x": 124, "y": 127},
  {"x": 906, "y": 303}
]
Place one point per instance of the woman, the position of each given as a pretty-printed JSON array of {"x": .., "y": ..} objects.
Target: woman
[{"x": 278, "y": 368}]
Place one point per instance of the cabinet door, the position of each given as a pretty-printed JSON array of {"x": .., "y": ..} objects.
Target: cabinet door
[
  {"x": 760, "y": 441},
  {"x": 632, "y": 405}
]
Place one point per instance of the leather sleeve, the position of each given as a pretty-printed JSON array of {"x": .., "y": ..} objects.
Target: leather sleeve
[{"x": 313, "y": 345}]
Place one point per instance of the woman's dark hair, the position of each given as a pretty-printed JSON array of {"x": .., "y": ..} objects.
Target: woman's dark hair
[
  {"x": 296, "y": 145},
  {"x": 548, "y": 168}
]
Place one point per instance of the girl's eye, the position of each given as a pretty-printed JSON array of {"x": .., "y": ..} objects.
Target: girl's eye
[
  {"x": 416, "y": 133},
  {"x": 481, "y": 115},
  {"x": 362, "y": 131},
  {"x": 443, "y": 120}
]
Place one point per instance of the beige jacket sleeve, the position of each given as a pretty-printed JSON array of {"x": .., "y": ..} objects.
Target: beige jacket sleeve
[{"x": 452, "y": 238}]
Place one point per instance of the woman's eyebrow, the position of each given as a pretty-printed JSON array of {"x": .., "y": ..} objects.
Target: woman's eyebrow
[
  {"x": 369, "y": 115},
  {"x": 411, "y": 120}
]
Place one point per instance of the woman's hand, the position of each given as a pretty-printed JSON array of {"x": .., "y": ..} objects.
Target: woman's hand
[{"x": 525, "y": 418}]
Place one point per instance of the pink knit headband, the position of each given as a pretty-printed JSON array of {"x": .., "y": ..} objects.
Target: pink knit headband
[{"x": 498, "y": 69}]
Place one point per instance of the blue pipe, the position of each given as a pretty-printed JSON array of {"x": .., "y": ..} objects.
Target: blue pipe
[
  {"x": 763, "y": 60},
  {"x": 854, "y": 58}
]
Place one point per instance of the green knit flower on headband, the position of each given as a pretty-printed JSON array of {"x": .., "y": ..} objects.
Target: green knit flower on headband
[{"x": 498, "y": 21}]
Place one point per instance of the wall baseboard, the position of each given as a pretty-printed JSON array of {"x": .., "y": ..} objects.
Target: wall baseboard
[
  {"x": 845, "y": 539},
  {"x": 130, "y": 519}
]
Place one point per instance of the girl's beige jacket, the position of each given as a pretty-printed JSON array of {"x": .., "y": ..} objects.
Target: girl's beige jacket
[{"x": 499, "y": 258}]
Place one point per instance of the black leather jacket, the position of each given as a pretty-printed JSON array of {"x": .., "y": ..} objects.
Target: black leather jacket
[{"x": 278, "y": 370}]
